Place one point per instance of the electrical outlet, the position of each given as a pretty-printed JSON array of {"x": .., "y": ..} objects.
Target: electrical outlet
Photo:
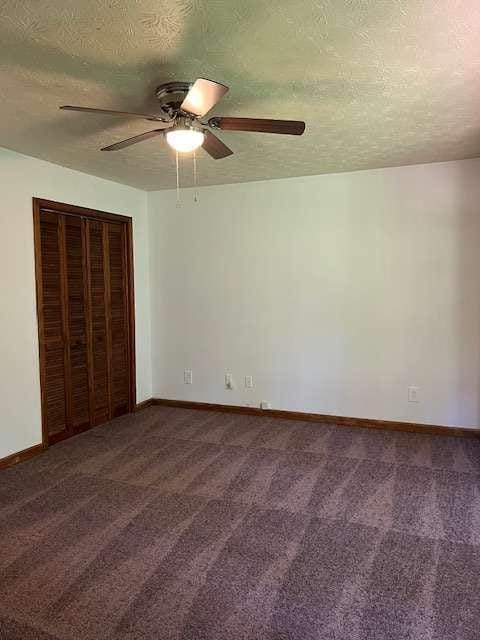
[
  {"x": 265, "y": 405},
  {"x": 228, "y": 381},
  {"x": 249, "y": 382},
  {"x": 413, "y": 394},
  {"x": 188, "y": 376}
]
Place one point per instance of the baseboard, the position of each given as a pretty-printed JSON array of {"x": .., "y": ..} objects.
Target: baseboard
[
  {"x": 144, "y": 404},
  {"x": 364, "y": 423},
  {"x": 20, "y": 456}
]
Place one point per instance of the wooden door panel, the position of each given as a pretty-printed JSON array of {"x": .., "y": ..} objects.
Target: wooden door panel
[
  {"x": 55, "y": 406},
  {"x": 118, "y": 320},
  {"x": 83, "y": 262},
  {"x": 77, "y": 323},
  {"x": 101, "y": 409},
  {"x": 80, "y": 406},
  {"x": 52, "y": 304},
  {"x": 52, "y": 345}
]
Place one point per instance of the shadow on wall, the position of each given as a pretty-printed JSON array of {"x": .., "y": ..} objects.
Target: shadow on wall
[
  {"x": 467, "y": 303},
  {"x": 439, "y": 300}
]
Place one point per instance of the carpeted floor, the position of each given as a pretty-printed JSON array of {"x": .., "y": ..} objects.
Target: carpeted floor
[{"x": 185, "y": 524}]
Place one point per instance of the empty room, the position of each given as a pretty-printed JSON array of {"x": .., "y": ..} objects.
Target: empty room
[{"x": 239, "y": 320}]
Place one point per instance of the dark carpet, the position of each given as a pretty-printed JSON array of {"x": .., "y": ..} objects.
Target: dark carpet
[{"x": 185, "y": 524}]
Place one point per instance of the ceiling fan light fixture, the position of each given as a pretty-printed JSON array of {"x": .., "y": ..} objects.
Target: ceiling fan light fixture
[
  {"x": 185, "y": 140},
  {"x": 182, "y": 105}
]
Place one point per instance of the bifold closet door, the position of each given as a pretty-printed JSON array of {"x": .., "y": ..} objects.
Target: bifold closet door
[
  {"x": 118, "y": 318},
  {"x": 51, "y": 329},
  {"x": 63, "y": 333},
  {"x": 75, "y": 305},
  {"x": 98, "y": 321},
  {"x": 109, "y": 319},
  {"x": 85, "y": 307}
]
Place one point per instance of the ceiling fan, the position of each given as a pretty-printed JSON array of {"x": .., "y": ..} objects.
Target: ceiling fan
[{"x": 182, "y": 105}]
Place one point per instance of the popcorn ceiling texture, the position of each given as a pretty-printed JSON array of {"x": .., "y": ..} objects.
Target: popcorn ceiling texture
[{"x": 379, "y": 83}]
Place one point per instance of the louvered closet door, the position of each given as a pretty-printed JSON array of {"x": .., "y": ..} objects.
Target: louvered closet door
[
  {"x": 84, "y": 306},
  {"x": 118, "y": 319},
  {"x": 99, "y": 303},
  {"x": 109, "y": 319},
  {"x": 52, "y": 340},
  {"x": 64, "y": 340},
  {"x": 78, "y": 403}
]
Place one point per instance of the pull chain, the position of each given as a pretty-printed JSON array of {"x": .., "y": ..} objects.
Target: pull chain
[
  {"x": 178, "y": 178},
  {"x": 195, "y": 196}
]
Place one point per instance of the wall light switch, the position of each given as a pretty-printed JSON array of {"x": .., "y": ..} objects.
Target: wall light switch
[
  {"x": 188, "y": 376},
  {"x": 249, "y": 382},
  {"x": 413, "y": 394}
]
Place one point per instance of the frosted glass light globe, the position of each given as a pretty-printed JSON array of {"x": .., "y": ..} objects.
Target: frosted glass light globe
[{"x": 185, "y": 140}]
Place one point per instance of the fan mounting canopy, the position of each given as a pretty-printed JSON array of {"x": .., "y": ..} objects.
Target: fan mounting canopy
[{"x": 171, "y": 95}]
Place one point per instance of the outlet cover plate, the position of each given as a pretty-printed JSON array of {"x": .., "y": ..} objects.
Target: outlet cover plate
[{"x": 413, "y": 394}]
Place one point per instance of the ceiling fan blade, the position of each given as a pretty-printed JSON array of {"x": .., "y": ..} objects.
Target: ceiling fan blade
[
  {"x": 203, "y": 95},
  {"x": 215, "y": 147},
  {"x": 259, "y": 125},
  {"x": 140, "y": 138},
  {"x": 127, "y": 114}
]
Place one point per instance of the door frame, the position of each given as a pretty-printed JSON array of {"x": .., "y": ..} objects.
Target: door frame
[{"x": 40, "y": 204}]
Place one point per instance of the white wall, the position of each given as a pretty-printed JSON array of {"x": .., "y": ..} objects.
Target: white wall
[
  {"x": 335, "y": 292},
  {"x": 21, "y": 178}
]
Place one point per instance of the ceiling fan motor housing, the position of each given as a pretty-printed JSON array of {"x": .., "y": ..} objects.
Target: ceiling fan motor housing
[
  {"x": 186, "y": 122},
  {"x": 171, "y": 95}
]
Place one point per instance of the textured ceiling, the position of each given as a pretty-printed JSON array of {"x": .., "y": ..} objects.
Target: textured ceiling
[{"x": 378, "y": 82}]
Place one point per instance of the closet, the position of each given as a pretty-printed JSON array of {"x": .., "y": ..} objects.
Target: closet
[{"x": 84, "y": 278}]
